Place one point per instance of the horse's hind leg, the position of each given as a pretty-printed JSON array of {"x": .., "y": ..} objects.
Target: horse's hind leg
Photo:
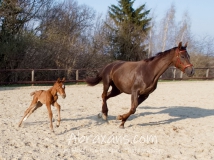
[
  {"x": 32, "y": 106},
  {"x": 104, "y": 113},
  {"x": 38, "y": 104},
  {"x": 114, "y": 92}
]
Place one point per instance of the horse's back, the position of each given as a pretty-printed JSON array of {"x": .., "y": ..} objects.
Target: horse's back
[
  {"x": 121, "y": 73},
  {"x": 108, "y": 68}
]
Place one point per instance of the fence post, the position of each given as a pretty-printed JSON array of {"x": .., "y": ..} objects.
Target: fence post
[
  {"x": 32, "y": 77},
  {"x": 181, "y": 75},
  {"x": 207, "y": 72},
  {"x": 174, "y": 73},
  {"x": 77, "y": 76}
]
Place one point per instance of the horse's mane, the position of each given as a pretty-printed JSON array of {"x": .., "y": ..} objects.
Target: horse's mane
[{"x": 159, "y": 55}]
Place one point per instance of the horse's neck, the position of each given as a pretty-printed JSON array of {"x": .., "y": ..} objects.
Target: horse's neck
[
  {"x": 161, "y": 64},
  {"x": 53, "y": 91}
]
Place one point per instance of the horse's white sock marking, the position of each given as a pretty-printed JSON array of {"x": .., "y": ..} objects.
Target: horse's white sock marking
[{"x": 25, "y": 118}]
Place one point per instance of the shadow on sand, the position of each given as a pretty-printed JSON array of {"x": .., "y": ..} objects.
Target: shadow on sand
[{"x": 176, "y": 112}]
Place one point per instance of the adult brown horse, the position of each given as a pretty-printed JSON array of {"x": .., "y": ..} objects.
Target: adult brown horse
[
  {"x": 48, "y": 97},
  {"x": 139, "y": 78}
]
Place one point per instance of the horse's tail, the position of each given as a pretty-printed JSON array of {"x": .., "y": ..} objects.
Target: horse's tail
[
  {"x": 32, "y": 93},
  {"x": 92, "y": 81}
]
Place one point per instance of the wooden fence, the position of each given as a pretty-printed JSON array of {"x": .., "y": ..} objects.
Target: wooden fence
[{"x": 78, "y": 75}]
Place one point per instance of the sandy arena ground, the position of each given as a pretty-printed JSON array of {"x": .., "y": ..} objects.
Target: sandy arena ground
[{"x": 175, "y": 122}]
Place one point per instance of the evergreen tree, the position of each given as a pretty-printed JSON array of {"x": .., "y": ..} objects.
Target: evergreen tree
[{"x": 128, "y": 31}]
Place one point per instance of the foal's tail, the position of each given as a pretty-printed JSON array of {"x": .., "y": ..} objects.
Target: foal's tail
[
  {"x": 36, "y": 92},
  {"x": 92, "y": 81}
]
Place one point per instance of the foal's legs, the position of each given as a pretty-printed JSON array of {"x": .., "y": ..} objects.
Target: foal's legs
[
  {"x": 38, "y": 104},
  {"x": 58, "y": 110},
  {"x": 50, "y": 116},
  {"x": 135, "y": 101},
  {"x": 31, "y": 107}
]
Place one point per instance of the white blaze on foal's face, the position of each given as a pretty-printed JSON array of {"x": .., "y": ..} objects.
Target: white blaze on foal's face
[{"x": 63, "y": 86}]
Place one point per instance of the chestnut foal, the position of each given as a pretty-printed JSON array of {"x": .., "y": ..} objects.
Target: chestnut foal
[{"x": 48, "y": 97}]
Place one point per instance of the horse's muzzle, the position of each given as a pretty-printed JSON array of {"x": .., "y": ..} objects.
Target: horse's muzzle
[
  {"x": 63, "y": 96},
  {"x": 190, "y": 71}
]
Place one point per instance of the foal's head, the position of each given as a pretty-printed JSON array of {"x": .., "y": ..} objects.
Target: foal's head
[
  {"x": 182, "y": 60},
  {"x": 60, "y": 87}
]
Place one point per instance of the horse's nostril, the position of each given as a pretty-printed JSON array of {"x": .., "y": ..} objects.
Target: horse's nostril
[{"x": 193, "y": 72}]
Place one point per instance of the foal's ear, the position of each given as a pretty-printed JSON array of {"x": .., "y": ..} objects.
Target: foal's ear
[
  {"x": 63, "y": 80},
  {"x": 179, "y": 45},
  {"x": 186, "y": 45}
]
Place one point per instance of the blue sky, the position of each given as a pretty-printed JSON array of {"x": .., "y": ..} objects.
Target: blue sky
[{"x": 201, "y": 12}]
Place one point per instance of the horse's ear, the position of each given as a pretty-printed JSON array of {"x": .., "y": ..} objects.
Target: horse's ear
[
  {"x": 58, "y": 80},
  {"x": 186, "y": 45},
  {"x": 63, "y": 80},
  {"x": 179, "y": 45}
]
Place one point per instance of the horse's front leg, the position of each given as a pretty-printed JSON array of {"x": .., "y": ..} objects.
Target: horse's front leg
[
  {"x": 134, "y": 104},
  {"x": 50, "y": 115},
  {"x": 58, "y": 110}
]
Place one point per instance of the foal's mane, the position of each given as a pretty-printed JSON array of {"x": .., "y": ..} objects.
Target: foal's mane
[{"x": 159, "y": 55}]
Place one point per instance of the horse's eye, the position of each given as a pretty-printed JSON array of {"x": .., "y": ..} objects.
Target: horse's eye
[{"x": 182, "y": 56}]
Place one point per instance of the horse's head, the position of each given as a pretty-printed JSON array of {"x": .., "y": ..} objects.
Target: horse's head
[
  {"x": 60, "y": 87},
  {"x": 182, "y": 60}
]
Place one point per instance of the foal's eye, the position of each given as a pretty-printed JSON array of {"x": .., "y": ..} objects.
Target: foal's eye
[{"x": 182, "y": 56}]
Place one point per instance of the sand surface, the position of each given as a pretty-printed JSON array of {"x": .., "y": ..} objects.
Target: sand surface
[{"x": 175, "y": 122}]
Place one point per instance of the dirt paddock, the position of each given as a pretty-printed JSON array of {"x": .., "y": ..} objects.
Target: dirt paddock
[{"x": 175, "y": 122}]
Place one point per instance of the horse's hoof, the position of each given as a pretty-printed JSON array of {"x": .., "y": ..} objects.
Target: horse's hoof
[
  {"x": 121, "y": 127},
  {"x": 57, "y": 125},
  {"x": 104, "y": 117},
  {"x": 119, "y": 117},
  {"x": 99, "y": 115}
]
